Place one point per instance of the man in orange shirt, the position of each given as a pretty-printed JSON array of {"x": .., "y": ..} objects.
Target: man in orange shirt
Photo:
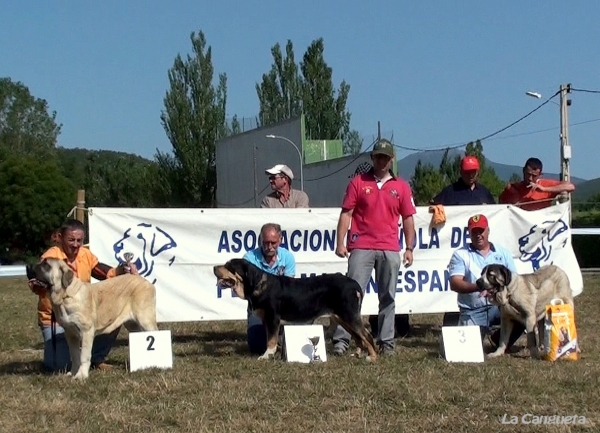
[
  {"x": 85, "y": 265},
  {"x": 534, "y": 193}
]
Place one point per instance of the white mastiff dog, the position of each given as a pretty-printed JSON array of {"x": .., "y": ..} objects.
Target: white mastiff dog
[{"x": 85, "y": 309}]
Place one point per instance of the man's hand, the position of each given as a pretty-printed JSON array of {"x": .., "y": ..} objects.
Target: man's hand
[
  {"x": 125, "y": 268},
  {"x": 536, "y": 187},
  {"x": 341, "y": 251},
  {"x": 408, "y": 258}
]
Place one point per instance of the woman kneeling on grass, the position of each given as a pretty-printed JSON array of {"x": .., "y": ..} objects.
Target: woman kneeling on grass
[{"x": 85, "y": 265}]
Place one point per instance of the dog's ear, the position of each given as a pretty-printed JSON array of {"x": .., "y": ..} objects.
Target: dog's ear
[
  {"x": 484, "y": 271},
  {"x": 506, "y": 275},
  {"x": 67, "y": 278}
]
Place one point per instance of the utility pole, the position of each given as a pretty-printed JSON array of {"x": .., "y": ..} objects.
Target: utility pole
[{"x": 565, "y": 147}]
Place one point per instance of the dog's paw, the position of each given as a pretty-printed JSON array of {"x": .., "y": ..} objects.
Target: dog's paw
[
  {"x": 266, "y": 356},
  {"x": 535, "y": 353},
  {"x": 494, "y": 354}
]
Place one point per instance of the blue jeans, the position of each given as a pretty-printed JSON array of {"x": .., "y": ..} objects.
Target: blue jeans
[
  {"x": 61, "y": 360},
  {"x": 485, "y": 317},
  {"x": 257, "y": 335}
]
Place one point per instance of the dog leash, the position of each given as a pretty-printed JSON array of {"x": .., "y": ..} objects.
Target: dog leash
[{"x": 53, "y": 338}]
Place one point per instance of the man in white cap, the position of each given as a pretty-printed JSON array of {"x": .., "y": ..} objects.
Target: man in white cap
[{"x": 283, "y": 196}]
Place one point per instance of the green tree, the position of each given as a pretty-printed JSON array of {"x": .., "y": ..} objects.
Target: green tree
[
  {"x": 326, "y": 114},
  {"x": 193, "y": 119},
  {"x": 425, "y": 183},
  {"x": 289, "y": 90},
  {"x": 449, "y": 167},
  {"x": 514, "y": 178},
  {"x": 26, "y": 125},
  {"x": 280, "y": 92},
  {"x": 35, "y": 199},
  {"x": 353, "y": 143}
]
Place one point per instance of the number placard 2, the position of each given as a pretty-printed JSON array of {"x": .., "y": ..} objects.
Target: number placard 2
[
  {"x": 150, "y": 349},
  {"x": 462, "y": 344}
]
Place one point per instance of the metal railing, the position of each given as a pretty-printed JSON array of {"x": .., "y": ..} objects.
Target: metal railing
[{"x": 12, "y": 271}]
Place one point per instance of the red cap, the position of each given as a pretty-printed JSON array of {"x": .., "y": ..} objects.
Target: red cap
[
  {"x": 469, "y": 163},
  {"x": 478, "y": 222}
]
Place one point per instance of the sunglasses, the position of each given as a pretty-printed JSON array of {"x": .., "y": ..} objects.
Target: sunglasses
[{"x": 274, "y": 177}]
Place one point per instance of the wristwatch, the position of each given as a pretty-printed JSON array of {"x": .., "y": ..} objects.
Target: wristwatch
[{"x": 409, "y": 249}]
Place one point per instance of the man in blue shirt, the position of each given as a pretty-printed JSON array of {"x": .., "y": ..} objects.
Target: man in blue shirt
[
  {"x": 271, "y": 258},
  {"x": 465, "y": 268},
  {"x": 466, "y": 190}
]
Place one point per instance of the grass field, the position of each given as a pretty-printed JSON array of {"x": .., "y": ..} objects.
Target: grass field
[{"x": 215, "y": 386}]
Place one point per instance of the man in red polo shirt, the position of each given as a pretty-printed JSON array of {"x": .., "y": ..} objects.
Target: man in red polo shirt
[
  {"x": 533, "y": 192},
  {"x": 372, "y": 206}
]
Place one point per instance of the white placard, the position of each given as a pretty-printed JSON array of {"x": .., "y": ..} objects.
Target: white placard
[
  {"x": 150, "y": 349},
  {"x": 462, "y": 343},
  {"x": 298, "y": 347}
]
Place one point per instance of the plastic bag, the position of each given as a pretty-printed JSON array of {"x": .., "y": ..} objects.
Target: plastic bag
[{"x": 560, "y": 333}]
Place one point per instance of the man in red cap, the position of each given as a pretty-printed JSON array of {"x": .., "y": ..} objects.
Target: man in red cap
[
  {"x": 465, "y": 268},
  {"x": 466, "y": 190}
]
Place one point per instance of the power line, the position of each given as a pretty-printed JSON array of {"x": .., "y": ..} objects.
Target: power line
[
  {"x": 487, "y": 137},
  {"x": 542, "y": 130},
  {"x": 584, "y": 90},
  {"x": 520, "y": 119}
]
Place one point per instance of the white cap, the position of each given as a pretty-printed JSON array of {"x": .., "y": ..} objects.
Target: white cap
[{"x": 279, "y": 169}]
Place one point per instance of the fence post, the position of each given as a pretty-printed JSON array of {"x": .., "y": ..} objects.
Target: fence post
[{"x": 79, "y": 213}]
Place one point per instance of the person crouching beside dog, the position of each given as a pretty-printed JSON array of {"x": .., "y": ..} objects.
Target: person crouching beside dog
[
  {"x": 272, "y": 258},
  {"x": 465, "y": 269},
  {"x": 85, "y": 265}
]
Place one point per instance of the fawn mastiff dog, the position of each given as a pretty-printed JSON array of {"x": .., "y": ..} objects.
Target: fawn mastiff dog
[
  {"x": 87, "y": 309},
  {"x": 523, "y": 298}
]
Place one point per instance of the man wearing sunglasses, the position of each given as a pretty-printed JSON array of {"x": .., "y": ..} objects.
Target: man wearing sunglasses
[{"x": 283, "y": 195}]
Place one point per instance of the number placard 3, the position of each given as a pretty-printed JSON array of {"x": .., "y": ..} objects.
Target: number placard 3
[
  {"x": 151, "y": 349},
  {"x": 462, "y": 344}
]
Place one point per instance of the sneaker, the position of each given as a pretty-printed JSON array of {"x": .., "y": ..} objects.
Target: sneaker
[
  {"x": 386, "y": 351},
  {"x": 339, "y": 351}
]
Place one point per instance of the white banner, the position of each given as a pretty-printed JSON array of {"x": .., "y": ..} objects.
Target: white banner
[{"x": 177, "y": 249}]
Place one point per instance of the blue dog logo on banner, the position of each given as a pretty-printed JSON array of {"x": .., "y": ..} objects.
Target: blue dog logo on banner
[
  {"x": 146, "y": 242},
  {"x": 536, "y": 246}
]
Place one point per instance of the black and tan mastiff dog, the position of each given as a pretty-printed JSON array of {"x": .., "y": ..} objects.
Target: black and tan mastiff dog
[
  {"x": 87, "y": 309},
  {"x": 523, "y": 297},
  {"x": 279, "y": 298}
]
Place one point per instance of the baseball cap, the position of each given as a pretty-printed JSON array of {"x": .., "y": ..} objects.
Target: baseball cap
[
  {"x": 383, "y": 147},
  {"x": 478, "y": 222},
  {"x": 469, "y": 163},
  {"x": 281, "y": 169}
]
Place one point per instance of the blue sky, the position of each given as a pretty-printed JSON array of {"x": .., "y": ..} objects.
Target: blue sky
[{"x": 433, "y": 72}]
